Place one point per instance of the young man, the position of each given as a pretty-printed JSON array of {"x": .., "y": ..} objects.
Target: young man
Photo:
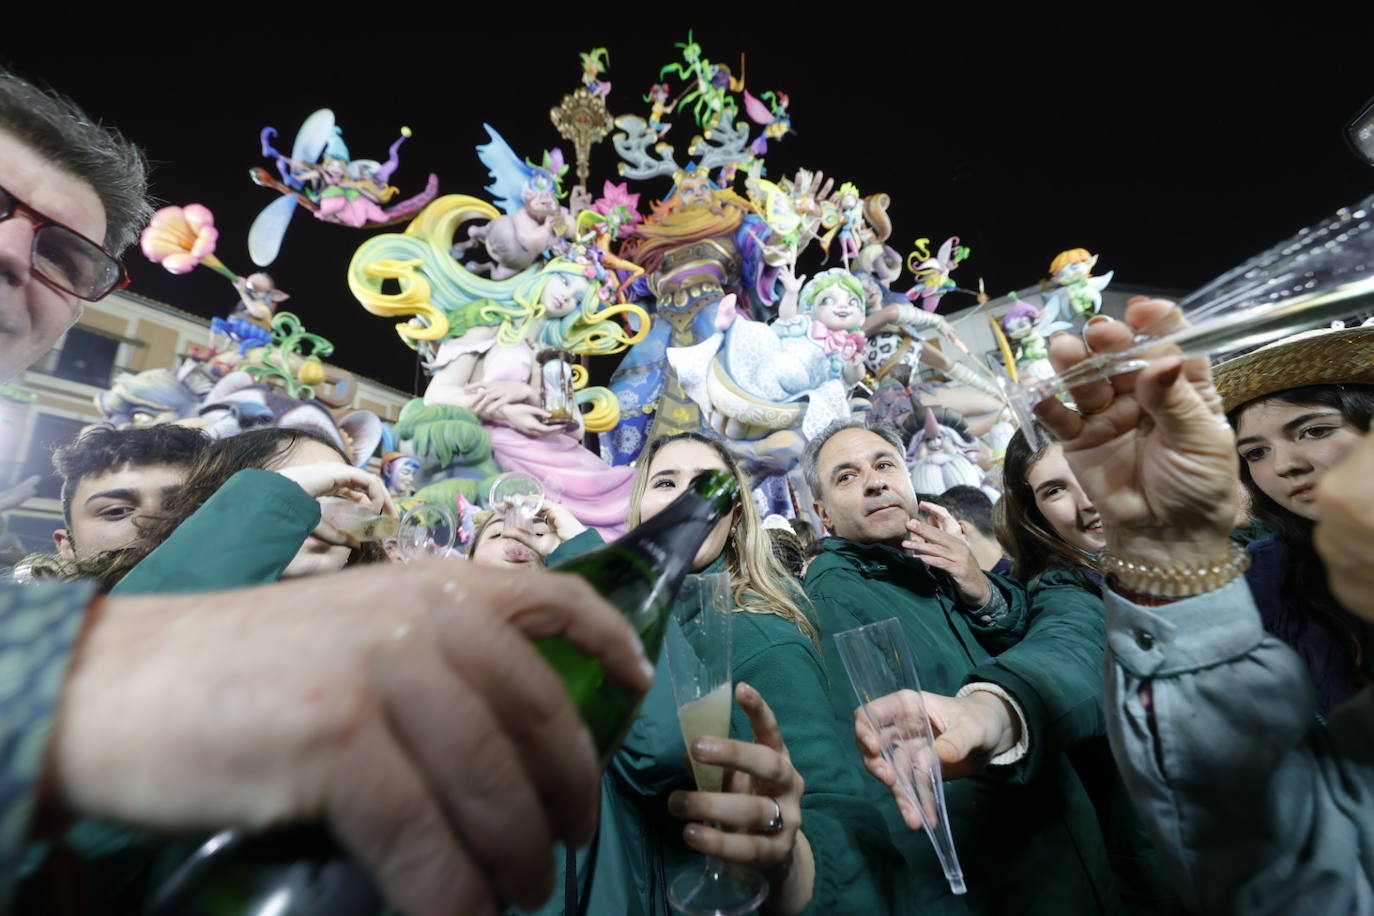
[
  {"x": 1026, "y": 832},
  {"x": 115, "y": 479},
  {"x": 351, "y": 696}
]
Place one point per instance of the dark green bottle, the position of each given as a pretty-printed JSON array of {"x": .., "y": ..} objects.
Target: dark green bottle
[
  {"x": 301, "y": 872},
  {"x": 640, "y": 574}
]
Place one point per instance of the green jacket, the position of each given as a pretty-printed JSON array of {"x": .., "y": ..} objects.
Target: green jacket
[
  {"x": 639, "y": 845},
  {"x": 1026, "y": 833},
  {"x": 245, "y": 534}
]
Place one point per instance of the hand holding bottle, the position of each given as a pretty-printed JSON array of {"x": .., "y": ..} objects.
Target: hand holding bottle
[{"x": 410, "y": 712}]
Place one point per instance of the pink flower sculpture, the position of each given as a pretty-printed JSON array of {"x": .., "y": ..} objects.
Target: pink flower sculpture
[
  {"x": 620, "y": 207},
  {"x": 181, "y": 238}
]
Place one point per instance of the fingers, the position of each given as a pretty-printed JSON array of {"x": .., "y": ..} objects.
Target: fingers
[
  {"x": 947, "y": 523},
  {"x": 556, "y": 604},
  {"x": 536, "y": 712},
  {"x": 397, "y": 831},
  {"x": 763, "y": 763},
  {"x": 761, "y": 718},
  {"x": 438, "y": 719}
]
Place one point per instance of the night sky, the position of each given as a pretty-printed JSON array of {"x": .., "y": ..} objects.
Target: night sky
[{"x": 1172, "y": 155}]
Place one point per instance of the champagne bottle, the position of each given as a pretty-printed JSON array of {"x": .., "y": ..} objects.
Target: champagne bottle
[
  {"x": 301, "y": 872},
  {"x": 640, "y": 574}
]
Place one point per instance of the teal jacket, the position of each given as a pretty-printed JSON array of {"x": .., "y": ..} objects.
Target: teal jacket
[
  {"x": 246, "y": 534},
  {"x": 1026, "y": 833},
  {"x": 639, "y": 845}
]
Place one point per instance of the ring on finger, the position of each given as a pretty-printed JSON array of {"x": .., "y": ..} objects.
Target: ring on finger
[{"x": 774, "y": 824}]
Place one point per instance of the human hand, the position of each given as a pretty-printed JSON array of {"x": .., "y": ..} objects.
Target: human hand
[
  {"x": 492, "y": 396},
  {"x": 943, "y": 546},
  {"x": 757, "y": 775},
  {"x": 1156, "y": 457},
  {"x": 1344, "y": 536},
  {"x": 408, "y": 710},
  {"x": 969, "y": 731},
  {"x": 342, "y": 491},
  {"x": 563, "y": 525}
]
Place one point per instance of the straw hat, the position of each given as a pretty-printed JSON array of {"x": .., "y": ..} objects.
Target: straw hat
[{"x": 1321, "y": 357}]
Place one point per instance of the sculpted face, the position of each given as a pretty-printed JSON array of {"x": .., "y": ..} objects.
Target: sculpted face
[
  {"x": 1289, "y": 447},
  {"x": 109, "y": 510},
  {"x": 839, "y": 309},
  {"x": 865, "y": 489},
  {"x": 32, "y": 314},
  {"x": 563, "y": 293}
]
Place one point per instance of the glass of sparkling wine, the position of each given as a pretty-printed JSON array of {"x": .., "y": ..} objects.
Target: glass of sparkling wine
[
  {"x": 1323, "y": 273},
  {"x": 697, "y": 648},
  {"x": 881, "y": 668}
]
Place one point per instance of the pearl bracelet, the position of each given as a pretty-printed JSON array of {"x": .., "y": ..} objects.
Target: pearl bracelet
[{"x": 1175, "y": 581}]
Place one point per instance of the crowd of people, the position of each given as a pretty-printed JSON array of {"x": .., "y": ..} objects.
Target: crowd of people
[{"x": 210, "y": 645}]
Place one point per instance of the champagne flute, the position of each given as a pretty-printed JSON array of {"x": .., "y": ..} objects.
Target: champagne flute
[
  {"x": 427, "y": 528},
  {"x": 518, "y": 497},
  {"x": 697, "y": 647},
  {"x": 880, "y": 664},
  {"x": 1324, "y": 272}
]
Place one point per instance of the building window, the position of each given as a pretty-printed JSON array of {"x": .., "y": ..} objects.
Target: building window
[
  {"x": 49, "y": 432},
  {"x": 86, "y": 358}
]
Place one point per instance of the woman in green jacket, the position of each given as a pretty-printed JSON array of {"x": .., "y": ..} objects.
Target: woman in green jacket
[{"x": 831, "y": 854}]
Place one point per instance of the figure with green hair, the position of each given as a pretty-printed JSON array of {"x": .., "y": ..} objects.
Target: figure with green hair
[{"x": 481, "y": 341}]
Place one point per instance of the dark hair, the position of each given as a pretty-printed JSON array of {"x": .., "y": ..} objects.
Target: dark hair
[
  {"x": 1022, "y": 530},
  {"x": 788, "y": 548},
  {"x": 804, "y": 530},
  {"x": 101, "y": 449},
  {"x": 55, "y": 128},
  {"x": 221, "y": 459},
  {"x": 969, "y": 504},
  {"x": 1304, "y": 581}
]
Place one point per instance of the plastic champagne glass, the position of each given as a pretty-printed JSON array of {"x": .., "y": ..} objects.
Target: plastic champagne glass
[
  {"x": 697, "y": 648},
  {"x": 880, "y": 665},
  {"x": 426, "y": 529},
  {"x": 518, "y": 496},
  {"x": 1323, "y": 273}
]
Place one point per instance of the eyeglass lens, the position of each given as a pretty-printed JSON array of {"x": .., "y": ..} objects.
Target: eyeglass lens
[{"x": 66, "y": 259}]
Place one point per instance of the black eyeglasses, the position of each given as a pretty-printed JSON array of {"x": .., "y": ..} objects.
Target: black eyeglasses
[{"x": 63, "y": 258}]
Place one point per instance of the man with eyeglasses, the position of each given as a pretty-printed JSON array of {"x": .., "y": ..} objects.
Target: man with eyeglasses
[{"x": 406, "y": 709}]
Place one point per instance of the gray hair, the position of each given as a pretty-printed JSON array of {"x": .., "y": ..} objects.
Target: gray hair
[
  {"x": 811, "y": 473},
  {"x": 54, "y": 127}
]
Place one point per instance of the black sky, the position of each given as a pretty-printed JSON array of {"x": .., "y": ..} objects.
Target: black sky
[{"x": 1173, "y": 153}]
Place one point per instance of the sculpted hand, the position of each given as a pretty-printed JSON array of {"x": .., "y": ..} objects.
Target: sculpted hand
[
  {"x": 757, "y": 774},
  {"x": 1345, "y": 531},
  {"x": 408, "y": 710},
  {"x": 492, "y": 396},
  {"x": 1151, "y": 448},
  {"x": 530, "y": 420},
  {"x": 944, "y": 546},
  {"x": 969, "y": 731}
]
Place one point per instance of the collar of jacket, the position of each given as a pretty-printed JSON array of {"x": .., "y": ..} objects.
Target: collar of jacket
[{"x": 881, "y": 561}]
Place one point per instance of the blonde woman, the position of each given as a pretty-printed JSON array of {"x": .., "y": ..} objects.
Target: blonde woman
[{"x": 793, "y": 806}]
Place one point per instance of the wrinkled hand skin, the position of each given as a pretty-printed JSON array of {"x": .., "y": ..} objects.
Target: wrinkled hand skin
[
  {"x": 1150, "y": 448},
  {"x": 1345, "y": 534},
  {"x": 346, "y": 699}
]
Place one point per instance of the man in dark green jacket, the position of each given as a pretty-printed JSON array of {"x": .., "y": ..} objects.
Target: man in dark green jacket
[{"x": 1025, "y": 831}]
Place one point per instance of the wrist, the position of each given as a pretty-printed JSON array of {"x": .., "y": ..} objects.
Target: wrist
[
  {"x": 1167, "y": 547},
  {"x": 1005, "y": 723},
  {"x": 1139, "y": 580}
]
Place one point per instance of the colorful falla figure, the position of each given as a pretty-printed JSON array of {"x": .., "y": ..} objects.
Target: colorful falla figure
[
  {"x": 816, "y": 338},
  {"x": 399, "y": 472},
  {"x": 1076, "y": 291}
]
